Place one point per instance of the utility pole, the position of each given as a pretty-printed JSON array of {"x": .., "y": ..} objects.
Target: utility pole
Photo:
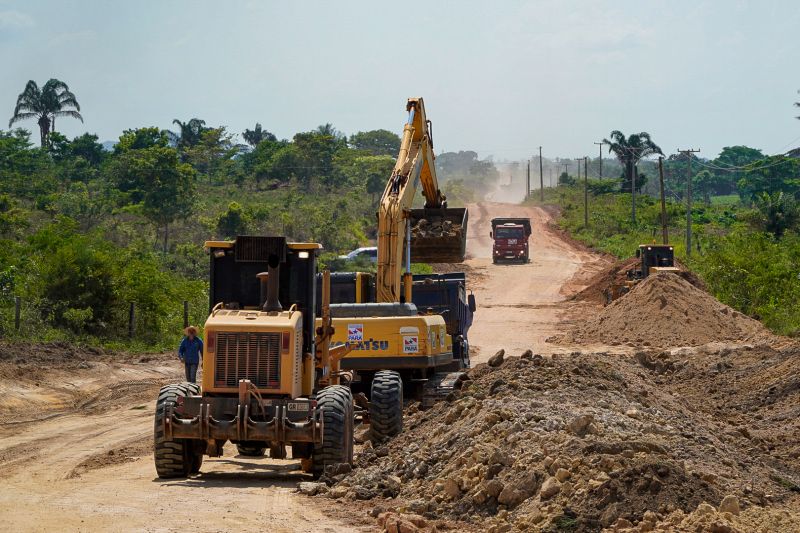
[
  {"x": 541, "y": 176},
  {"x": 566, "y": 169},
  {"x": 688, "y": 152},
  {"x": 551, "y": 177},
  {"x": 601, "y": 159},
  {"x": 528, "y": 181},
  {"x": 664, "y": 231},
  {"x": 633, "y": 191},
  {"x": 585, "y": 190}
]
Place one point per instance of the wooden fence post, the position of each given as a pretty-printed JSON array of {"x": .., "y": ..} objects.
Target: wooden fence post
[{"x": 185, "y": 314}]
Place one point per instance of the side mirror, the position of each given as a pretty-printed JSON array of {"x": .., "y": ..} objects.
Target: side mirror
[{"x": 471, "y": 302}]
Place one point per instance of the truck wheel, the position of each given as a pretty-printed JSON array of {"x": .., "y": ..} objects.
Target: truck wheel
[
  {"x": 386, "y": 405},
  {"x": 251, "y": 450},
  {"x": 176, "y": 457},
  {"x": 336, "y": 404}
]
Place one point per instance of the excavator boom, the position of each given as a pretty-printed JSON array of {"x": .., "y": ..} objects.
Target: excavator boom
[{"x": 434, "y": 234}]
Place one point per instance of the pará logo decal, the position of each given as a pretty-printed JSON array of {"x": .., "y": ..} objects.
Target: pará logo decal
[
  {"x": 355, "y": 332},
  {"x": 410, "y": 344}
]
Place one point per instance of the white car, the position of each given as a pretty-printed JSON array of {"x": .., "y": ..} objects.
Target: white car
[{"x": 370, "y": 252}]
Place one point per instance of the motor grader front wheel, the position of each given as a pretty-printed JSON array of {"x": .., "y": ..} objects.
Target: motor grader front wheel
[
  {"x": 336, "y": 404},
  {"x": 174, "y": 457},
  {"x": 386, "y": 405}
]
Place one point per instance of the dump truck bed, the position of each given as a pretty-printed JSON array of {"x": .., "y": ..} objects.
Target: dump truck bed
[{"x": 524, "y": 222}]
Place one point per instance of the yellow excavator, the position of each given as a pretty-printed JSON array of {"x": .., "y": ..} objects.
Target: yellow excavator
[{"x": 395, "y": 348}]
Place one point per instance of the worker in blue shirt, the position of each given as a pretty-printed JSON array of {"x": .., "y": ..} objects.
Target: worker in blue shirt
[{"x": 191, "y": 353}]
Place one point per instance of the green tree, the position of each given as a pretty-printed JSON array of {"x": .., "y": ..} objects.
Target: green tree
[
  {"x": 629, "y": 151},
  {"x": 315, "y": 154},
  {"x": 771, "y": 174},
  {"x": 730, "y": 165},
  {"x": 188, "y": 134},
  {"x": 213, "y": 153},
  {"x": 707, "y": 183},
  {"x": 236, "y": 220},
  {"x": 256, "y": 135},
  {"x": 778, "y": 212},
  {"x": 53, "y": 100},
  {"x": 155, "y": 180},
  {"x": 376, "y": 142}
]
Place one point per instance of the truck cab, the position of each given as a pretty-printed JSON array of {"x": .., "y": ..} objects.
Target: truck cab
[{"x": 510, "y": 239}]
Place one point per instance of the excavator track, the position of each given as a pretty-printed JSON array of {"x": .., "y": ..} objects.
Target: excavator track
[{"x": 439, "y": 386}]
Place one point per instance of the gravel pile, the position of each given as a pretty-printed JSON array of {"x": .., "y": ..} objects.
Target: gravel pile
[
  {"x": 590, "y": 442},
  {"x": 665, "y": 310}
]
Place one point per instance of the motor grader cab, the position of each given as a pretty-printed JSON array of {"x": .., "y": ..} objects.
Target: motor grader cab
[
  {"x": 263, "y": 373},
  {"x": 653, "y": 258}
]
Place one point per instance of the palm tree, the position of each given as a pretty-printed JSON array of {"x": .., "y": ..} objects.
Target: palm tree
[
  {"x": 779, "y": 212},
  {"x": 256, "y": 135},
  {"x": 629, "y": 151},
  {"x": 53, "y": 100},
  {"x": 189, "y": 133}
]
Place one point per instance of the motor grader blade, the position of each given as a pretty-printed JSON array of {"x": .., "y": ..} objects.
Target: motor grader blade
[{"x": 438, "y": 235}]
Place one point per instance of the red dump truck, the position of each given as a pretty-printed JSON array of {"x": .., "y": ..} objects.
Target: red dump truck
[{"x": 510, "y": 237}]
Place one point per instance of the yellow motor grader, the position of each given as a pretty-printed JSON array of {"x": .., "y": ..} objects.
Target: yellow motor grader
[
  {"x": 267, "y": 380},
  {"x": 653, "y": 258}
]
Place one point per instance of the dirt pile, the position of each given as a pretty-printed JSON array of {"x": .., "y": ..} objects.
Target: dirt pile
[
  {"x": 616, "y": 276},
  {"x": 586, "y": 442},
  {"x": 666, "y": 310}
]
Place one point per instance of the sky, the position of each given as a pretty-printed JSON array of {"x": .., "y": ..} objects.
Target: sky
[{"x": 498, "y": 77}]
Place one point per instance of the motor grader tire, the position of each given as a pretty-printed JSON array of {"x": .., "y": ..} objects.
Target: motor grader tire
[
  {"x": 251, "y": 450},
  {"x": 386, "y": 405},
  {"x": 174, "y": 457},
  {"x": 336, "y": 405}
]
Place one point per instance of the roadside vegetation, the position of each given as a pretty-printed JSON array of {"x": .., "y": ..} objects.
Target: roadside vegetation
[
  {"x": 89, "y": 227},
  {"x": 745, "y": 222}
]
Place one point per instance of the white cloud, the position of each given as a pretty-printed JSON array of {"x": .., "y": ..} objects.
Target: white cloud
[{"x": 15, "y": 19}]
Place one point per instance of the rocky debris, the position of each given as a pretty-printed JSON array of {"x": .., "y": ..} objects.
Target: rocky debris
[
  {"x": 730, "y": 504},
  {"x": 437, "y": 228},
  {"x": 598, "y": 441},
  {"x": 497, "y": 359},
  {"x": 311, "y": 489},
  {"x": 706, "y": 518},
  {"x": 665, "y": 310}
]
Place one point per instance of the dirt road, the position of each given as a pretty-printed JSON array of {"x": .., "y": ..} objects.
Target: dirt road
[
  {"x": 75, "y": 441},
  {"x": 519, "y": 306},
  {"x": 87, "y": 466}
]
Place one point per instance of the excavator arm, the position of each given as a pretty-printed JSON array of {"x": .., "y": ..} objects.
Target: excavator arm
[{"x": 414, "y": 166}]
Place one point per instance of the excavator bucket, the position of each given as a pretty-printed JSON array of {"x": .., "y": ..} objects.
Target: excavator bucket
[{"x": 438, "y": 235}]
